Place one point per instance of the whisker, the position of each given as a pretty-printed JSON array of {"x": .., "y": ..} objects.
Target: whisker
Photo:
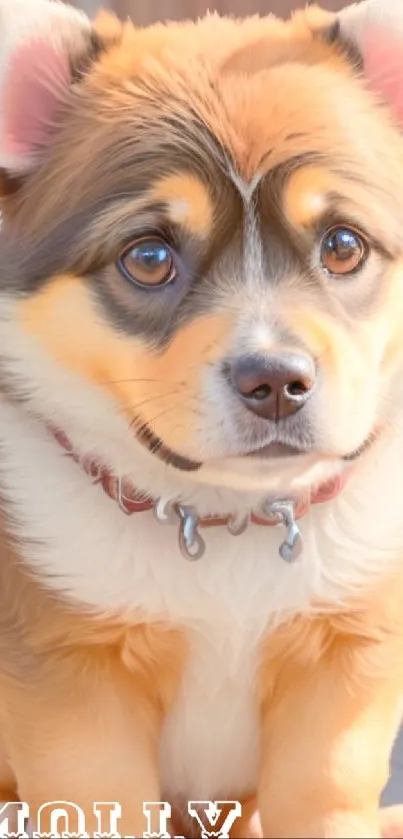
[
  {"x": 145, "y": 426},
  {"x": 186, "y": 406},
  {"x": 134, "y": 406},
  {"x": 141, "y": 381}
]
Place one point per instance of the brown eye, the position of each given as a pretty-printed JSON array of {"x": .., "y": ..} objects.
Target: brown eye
[
  {"x": 148, "y": 262},
  {"x": 343, "y": 250}
]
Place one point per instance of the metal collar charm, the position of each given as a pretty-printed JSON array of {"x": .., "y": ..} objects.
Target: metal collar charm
[
  {"x": 291, "y": 548},
  {"x": 192, "y": 545}
]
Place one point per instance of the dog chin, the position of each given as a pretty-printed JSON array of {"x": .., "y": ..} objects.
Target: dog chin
[{"x": 280, "y": 476}]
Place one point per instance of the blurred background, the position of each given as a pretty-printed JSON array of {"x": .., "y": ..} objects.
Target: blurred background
[{"x": 148, "y": 11}]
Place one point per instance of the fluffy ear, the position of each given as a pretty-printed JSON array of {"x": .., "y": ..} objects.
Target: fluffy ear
[
  {"x": 42, "y": 42},
  {"x": 375, "y": 28}
]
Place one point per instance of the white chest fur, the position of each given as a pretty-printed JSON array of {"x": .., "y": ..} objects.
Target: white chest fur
[{"x": 226, "y": 602}]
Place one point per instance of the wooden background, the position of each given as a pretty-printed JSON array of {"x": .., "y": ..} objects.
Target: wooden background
[{"x": 147, "y": 11}]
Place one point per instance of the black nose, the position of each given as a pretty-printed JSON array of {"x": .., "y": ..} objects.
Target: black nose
[{"x": 273, "y": 386}]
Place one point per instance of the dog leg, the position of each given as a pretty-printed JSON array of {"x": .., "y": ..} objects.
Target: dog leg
[
  {"x": 89, "y": 736},
  {"x": 328, "y": 729}
]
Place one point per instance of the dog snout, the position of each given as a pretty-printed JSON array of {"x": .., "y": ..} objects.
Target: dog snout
[{"x": 273, "y": 386}]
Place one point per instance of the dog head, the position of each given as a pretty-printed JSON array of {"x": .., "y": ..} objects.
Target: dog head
[{"x": 201, "y": 257}]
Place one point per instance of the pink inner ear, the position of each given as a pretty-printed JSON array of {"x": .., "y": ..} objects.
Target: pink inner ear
[
  {"x": 383, "y": 57},
  {"x": 37, "y": 80}
]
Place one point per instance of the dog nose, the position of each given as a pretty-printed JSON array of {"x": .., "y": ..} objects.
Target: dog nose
[{"x": 274, "y": 386}]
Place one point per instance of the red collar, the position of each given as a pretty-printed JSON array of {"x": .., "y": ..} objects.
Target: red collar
[{"x": 132, "y": 501}]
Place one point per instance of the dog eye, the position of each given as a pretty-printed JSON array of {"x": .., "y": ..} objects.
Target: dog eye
[
  {"x": 148, "y": 262},
  {"x": 343, "y": 251}
]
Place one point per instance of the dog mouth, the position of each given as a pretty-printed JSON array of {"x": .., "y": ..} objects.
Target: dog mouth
[
  {"x": 363, "y": 448},
  {"x": 275, "y": 450},
  {"x": 282, "y": 450}
]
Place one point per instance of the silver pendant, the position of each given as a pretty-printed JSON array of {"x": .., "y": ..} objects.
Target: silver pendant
[
  {"x": 193, "y": 547},
  {"x": 291, "y": 548},
  {"x": 237, "y": 525},
  {"x": 191, "y": 544}
]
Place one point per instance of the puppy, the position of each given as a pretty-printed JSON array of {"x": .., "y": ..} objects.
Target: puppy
[{"x": 201, "y": 424}]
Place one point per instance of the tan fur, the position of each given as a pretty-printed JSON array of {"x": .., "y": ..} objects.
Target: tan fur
[
  {"x": 47, "y": 687},
  {"x": 331, "y": 699},
  {"x": 161, "y": 53},
  {"x": 350, "y": 351},
  {"x": 164, "y": 394},
  {"x": 306, "y": 195},
  {"x": 321, "y": 724},
  {"x": 107, "y": 24},
  {"x": 188, "y": 202}
]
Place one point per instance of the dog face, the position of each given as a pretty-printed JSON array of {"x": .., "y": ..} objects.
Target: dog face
[{"x": 201, "y": 254}]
